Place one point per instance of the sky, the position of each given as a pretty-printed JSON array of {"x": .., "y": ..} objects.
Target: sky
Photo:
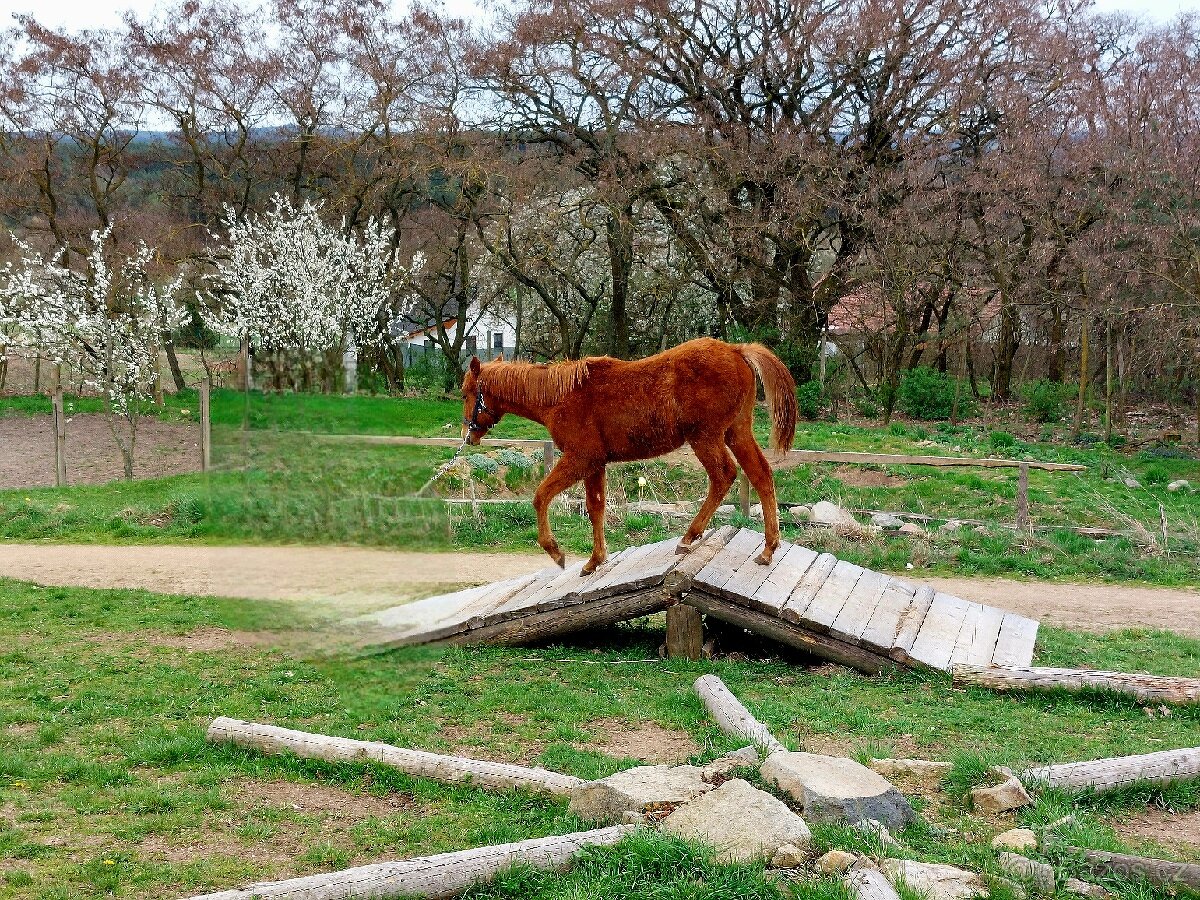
[{"x": 93, "y": 14}]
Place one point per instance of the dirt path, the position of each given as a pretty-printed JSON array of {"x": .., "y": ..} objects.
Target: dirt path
[{"x": 357, "y": 579}]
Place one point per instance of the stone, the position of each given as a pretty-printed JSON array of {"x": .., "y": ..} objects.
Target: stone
[
  {"x": 1179, "y": 485},
  {"x": 639, "y": 790},
  {"x": 1036, "y": 873},
  {"x": 836, "y": 789},
  {"x": 926, "y": 771},
  {"x": 886, "y": 520},
  {"x": 737, "y": 759},
  {"x": 877, "y": 830},
  {"x": 1009, "y": 794},
  {"x": 1087, "y": 889},
  {"x": 742, "y": 822},
  {"x": 756, "y": 511},
  {"x": 1016, "y": 839},
  {"x": 1132, "y": 483},
  {"x": 801, "y": 515},
  {"x": 1017, "y": 891},
  {"x": 726, "y": 509},
  {"x": 912, "y": 529},
  {"x": 936, "y": 880},
  {"x": 825, "y": 513},
  {"x": 835, "y": 862},
  {"x": 789, "y": 856},
  {"x": 952, "y": 525}
]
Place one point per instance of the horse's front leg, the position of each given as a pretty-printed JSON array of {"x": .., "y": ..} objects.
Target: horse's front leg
[
  {"x": 594, "y": 486},
  {"x": 565, "y": 473}
]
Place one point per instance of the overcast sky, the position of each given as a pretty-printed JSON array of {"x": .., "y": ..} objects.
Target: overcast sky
[{"x": 90, "y": 13}]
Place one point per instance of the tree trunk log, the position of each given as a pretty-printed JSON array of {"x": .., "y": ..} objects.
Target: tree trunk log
[
  {"x": 1149, "y": 688},
  {"x": 685, "y": 632},
  {"x": 443, "y": 875},
  {"x": 450, "y": 769},
  {"x": 1163, "y": 872},
  {"x": 734, "y": 718},
  {"x": 1102, "y": 775}
]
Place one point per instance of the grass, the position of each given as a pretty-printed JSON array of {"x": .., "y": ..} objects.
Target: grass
[
  {"x": 107, "y": 786},
  {"x": 276, "y": 482}
]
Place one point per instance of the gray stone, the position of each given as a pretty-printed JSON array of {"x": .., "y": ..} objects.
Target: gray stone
[
  {"x": 825, "y": 513},
  {"x": 1132, "y": 483},
  {"x": 727, "y": 509},
  {"x": 927, "y": 772},
  {"x": 1038, "y": 874},
  {"x": 801, "y": 515},
  {"x": 886, "y": 520},
  {"x": 1009, "y": 794},
  {"x": 756, "y": 511},
  {"x": 835, "y": 862},
  {"x": 877, "y": 830},
  {"x": 638, "y": 790},
  {"x": 952, "y": 525},
  {"x": 789, "y": 856},
  {"x": 741, "y": 821},
  {"x": 912, "y": 529},
  {"x": 1016, "y": 839},
  {"x": 1087, "y": 889},
  {"x": 1181, "y": 484},
  {"x": 737, "y": 759},
  {"x": 936, "y": 880},
  {"x": 834, "y": 788}
]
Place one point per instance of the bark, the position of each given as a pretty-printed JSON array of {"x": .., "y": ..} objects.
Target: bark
[
  {"x": 173, "y": 362},
  {"x": 1083, "y": 379}
]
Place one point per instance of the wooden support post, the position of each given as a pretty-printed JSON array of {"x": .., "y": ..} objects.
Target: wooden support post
[
  {"x": 685, "y": 632},
  {"x": 443, "y": 875},
  {"x": 547, "y": 456},
  {"x": 744, "y": 494},
  {"x": 1023, "y": 496},
  {"x": 205, "y": 424},
  {"x": 734, "y": 718},
  {"x": 60, "y": 439}
]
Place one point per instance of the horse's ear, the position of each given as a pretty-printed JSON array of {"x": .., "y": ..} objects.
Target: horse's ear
[
  {"x": 474, "y": 365},
  {"x": 500, "y": 358}
]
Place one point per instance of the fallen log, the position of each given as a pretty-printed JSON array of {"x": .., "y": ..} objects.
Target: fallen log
[
  {"x": 1147, "y": 688},
  {"x": 1102, "y": 775},
  {"x": 452, "y": 769},
  {"x": 1163, "y": 872},
  {"x": 870, "y": 884},
  {"x": 734, "y": 718},
  {"x": 444, "y": 875}
]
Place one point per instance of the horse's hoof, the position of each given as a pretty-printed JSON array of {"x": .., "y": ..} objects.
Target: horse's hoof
[
  {"x": 591, "y": 566},
  {"x": 559, "y": 557},
  {"x": 764, "y": 558}
]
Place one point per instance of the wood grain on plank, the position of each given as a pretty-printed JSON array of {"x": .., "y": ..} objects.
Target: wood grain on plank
[
  {"x": 884, "y": 625},
  {"x": 939, "y": 632},
  {"x": 1147, "y": 688},
  {"x": 1014, "y": 644},
  {"x": 832, "y": 596},
  {"x": 856, "y": 613},
  {"x": 807, "y": 587},
  {"x": 785, "y": 574},
  {"x": 722, "y": 567},
  {"x": 911, "y": 622}
]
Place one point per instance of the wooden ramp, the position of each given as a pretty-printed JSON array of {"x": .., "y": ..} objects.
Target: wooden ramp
[{"x": 806, "y": 599}]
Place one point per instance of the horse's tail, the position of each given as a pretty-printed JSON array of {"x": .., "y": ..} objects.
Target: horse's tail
[{"x": 780, "y": 390}]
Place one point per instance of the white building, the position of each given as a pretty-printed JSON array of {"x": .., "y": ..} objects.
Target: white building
[{"x": 487, "y": 335}]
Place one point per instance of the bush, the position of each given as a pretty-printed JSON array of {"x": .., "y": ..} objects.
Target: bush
[
  {"x": 1045, "y": 400},
  {"x": 866, "y": 406},
  {"x": 811, "y": 400},
  {"x": 483, "y": 464},
  {"x": 514, "y": 459},
  {"x": 1001, "y": 440},
  {"x": 1156, "y": 475},
  {"x": 928, "y": 394}
]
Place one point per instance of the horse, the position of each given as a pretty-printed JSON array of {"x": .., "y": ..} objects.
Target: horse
[{"x": 601, "y": 410}]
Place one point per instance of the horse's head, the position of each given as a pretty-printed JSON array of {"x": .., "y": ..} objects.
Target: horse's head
[{"x": 480, "y": 414}]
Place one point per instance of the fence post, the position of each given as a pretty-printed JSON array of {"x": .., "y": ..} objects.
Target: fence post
[
  {"x": 1023, "y": 496},
  {"x": 205, "y": 425},
  {"x": 60, "y": 440},
  {"x": 744, "y": 494},
  {"x": 547, "y": 456}
]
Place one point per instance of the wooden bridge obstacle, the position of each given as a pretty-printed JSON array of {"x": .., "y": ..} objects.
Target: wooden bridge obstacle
[{"x": 813, "y": 601}]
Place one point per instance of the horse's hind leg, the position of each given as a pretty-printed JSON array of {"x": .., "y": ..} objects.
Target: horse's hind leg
[
  {"x": 740, "y": 438},
  {"x": 565, "y": 473},
  {"x": 721, "y": 471},
  {"x": 594, "y": 487}
]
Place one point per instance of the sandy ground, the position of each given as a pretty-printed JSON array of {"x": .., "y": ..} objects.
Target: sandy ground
[
  {"x": 27, "y": 450},
  {"x": 357, "y": 579}
]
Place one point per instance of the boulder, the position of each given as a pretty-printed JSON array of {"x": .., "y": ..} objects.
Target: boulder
[
  {"x": 935, "y": 880},
  {"x": 801, "y": 515},
  {"x": 1087, "y": 889},
  {"x": 756, "y": 511},
  {"x": 1036, "y": 873},
  {"x": 825, "y": 513},
  {"x": 1132, "y": 483},
  {"x": 742, "y": 822},
  {"x": 1016, "y": 839},
  {"x": 835, "y": 862},
  {"x": 926, "y": 771},
  {"x": 912, "y": 529},
  {"x": 726, "y": 509},
  {"x": 877, "y": 830},
  {"x": 952, "y": 525},
  {"x": 834, "y": 788},
  {"x": 723, "y": 765},
  {"x": 638, "y": 790},
  {"x": 1009, "y": 794},
  {"x": 789, "y": 856},
  {"x": 886, "y": 520},
  {"x": 1181, "y": 484}
]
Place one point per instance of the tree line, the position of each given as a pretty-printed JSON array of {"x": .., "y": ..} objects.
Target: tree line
[{"x": 1003, "y": 191}]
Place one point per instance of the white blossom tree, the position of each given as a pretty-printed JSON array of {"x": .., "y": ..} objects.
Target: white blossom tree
[
  {"x": 289, "y": 284},
  {"x": 107, "y": 319}
]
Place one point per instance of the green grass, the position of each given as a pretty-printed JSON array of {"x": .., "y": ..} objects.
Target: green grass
[{"x": 107, "y": 786}]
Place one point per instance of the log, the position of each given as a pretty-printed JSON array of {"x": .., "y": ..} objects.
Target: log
[
  {"x": 734, "y": 718},
  {"x": 1147, "y": 688},
  {"x": 205, "y": 424},
  {"x": 443, "y": 875},
  {"x": 1164, "y": 872},
  {"x": 685, "y": 632},
  {"x": 451, "y": 769},
  {"x": 870, "y": 884},
  {"x": 1102, "y": 775}
]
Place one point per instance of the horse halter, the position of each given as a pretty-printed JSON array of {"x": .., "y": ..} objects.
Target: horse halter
[{"x": 473, "y": 422}]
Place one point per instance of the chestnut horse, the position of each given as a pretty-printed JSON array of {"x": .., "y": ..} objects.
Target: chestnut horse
[{"x": 601, "y": 410}]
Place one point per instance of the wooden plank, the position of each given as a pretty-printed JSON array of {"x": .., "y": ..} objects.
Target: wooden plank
[
  {"x": 646, "y": 566},
  {"x": 855, "y": 615},
  {"x": 966, "y": 632},
  {"x": 880, "y": 633},
  {"x": 832, "y": 596},
  {"x": 557, "y": 589},
  {"x": 750, "y": 576},
  {"x": 782, "y": 578},
  {"x": 807, "y": 587},
  {"x": 679, "y": 580},
  {"x": 740, "y": 548},
  {"x": 1014, "y": 644},
  {"x": 983, "y": 642},
  {"x": 869, "y": 884},
  {"x": 428, "y": 611},
  {"x": 1162, "y": 872},
  {"x": 1102, "y": 775},
  {"x": 935, "y": 642},
  {"x": 513, "y": 595},
  {"x": 794, "y": 458},
  {"x": 1147, "y": 688},
  {"x": 911, "y": 622}
]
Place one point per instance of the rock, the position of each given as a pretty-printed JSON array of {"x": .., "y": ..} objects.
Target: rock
[
  {"x": 1016, "y": 839},
  {"x": 789, "y": 856},
  {"x": 1017, "y": 891},
  {"x": 756, "y": 511},
  {"x": 741, "y": 821},
  {"x": 980, "y": 529},
  {"x": 801, "y": 515},
  {"x": 833, "y": 788},
  {"x": 1132, "y": 483},
  {"x": 935, "y": 880},
  {"x": 912, "y": 529},
  {"x": 634, "y": 818},
  {"x": 1009, "y": 794},
  {"x": 1179, "y": 485},
  {"x": 1087, "y": 889},
  {"x": 926, "y": 771},
  {"x": 886, "y": 520},
  {"x": 639, "y": 790},
  {"x": 726, "y": 509},
  {"x": 877, "y": 830},
  {"x": 835, "y": 862},
  {"x": 723, "y": 765},
  {"x": 952, "y": 525},
  {"x": 1038, "y": 874},
  {"x": 825, "y": 513}
]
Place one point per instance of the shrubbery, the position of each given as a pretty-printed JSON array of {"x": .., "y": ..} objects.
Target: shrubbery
[
  {"x": 1045, "y": 400},
  {"x": 811, "y": 400},
  {"x": 926, "y": 393}
]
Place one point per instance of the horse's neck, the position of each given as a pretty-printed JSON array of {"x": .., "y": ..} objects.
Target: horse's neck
[{"x": 520, "y": 402}]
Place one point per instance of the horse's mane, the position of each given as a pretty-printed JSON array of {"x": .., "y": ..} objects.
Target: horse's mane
[{"x": 538, "y": 383}]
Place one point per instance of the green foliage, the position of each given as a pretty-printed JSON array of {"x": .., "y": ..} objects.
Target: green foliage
[
  {"x": 429, "y": 371},
  {"x": 482, "y": 464},
  {"x": 1001, "y": 440},
  {"x": 1156, "y": 475},
  {"x": 514, "y": 459},
  {"x": 926, "y": 393},
  {"x": 811, "y": 400},
  {"x": 1045, "y": 400},
  {"x": 866, "y": 406}
]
